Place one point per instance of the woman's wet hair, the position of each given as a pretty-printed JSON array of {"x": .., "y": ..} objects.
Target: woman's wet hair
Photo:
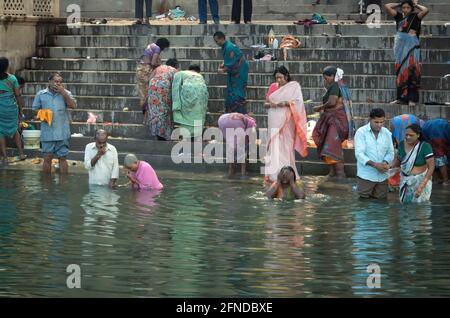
[
  {"x": 163, "y": 43},
  {"x": 283, "y": 70},
  {"x": 4, "y": 64},
  {"x": 173, "y": 62},
  {"x": 330, "y": 70},
  {"x": 288, "y": 168},
  {"x": 417, "y": 129}
]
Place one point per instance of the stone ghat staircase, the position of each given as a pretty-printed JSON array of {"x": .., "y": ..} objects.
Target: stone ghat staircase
[
  {"x": 98, "y": 64},
  {"x": 293, "y": 10}
]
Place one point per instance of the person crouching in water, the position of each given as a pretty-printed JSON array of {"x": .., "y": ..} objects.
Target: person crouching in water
[
  {"x": 141, "y": 174},
  {"x": 286, "y": 186}
]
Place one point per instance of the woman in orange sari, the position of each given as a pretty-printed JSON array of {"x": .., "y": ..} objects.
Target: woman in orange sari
[{"x": 286, "y": 124}]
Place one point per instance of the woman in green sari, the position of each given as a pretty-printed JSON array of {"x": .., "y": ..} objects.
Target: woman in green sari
[
  {"x": 11, "y": 104},
  {"x": 190, "y": 100}
]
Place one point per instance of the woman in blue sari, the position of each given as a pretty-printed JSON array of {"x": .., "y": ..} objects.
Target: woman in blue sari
[
  {"x": 406, "y": 49},
  {"x": 236, "y": 66},
  {"x": 10, "y": 103}
]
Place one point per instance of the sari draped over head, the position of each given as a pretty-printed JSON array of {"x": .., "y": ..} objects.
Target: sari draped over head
[
  {"x": 399, "y": 124},
  {"x": 237, "y": 77},
  {"x": 286, "y": 129},
  {"x": 160, "y": 102},
  {"x": 409, "y": 182},
  {"x": 335, "y": 125},
  {"x": 189, "y": 101},
  {"x": 236, "y": 147},
  {"x": 9, "y": 112},
  {"x": 407, "y": 64}
]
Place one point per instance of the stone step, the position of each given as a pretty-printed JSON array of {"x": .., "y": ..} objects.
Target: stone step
[
  {"x": 352, "y": 15},
  {"x": 348, "y": 6},
  {"x": 330, "y": 41},
  {"x": 117, "y": 104},
  {"x": 316, "y": 168},
  {"x": 256, "y": 79},
  {"x": 303, "y": 67},
  {"x": 206, "y": 53},
  {"x": 131, "y": 145},
  {"x": 253, "y": 92},
  {"x": 345, "y": 28}
]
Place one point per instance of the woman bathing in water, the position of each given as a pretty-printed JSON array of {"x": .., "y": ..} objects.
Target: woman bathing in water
[{"x": 286, "y": 187}]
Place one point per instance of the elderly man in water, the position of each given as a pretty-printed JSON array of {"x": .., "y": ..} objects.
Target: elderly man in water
[{"x": 102, "y": 161}]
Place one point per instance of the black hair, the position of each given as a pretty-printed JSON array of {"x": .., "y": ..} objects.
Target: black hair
[
  {"x": 289, "y": 168},
  {"x": 194, "y": 67},
  {"x": 53, "y": 75},
  {"x": 219, "y": 34},
  {"x": 20, "y": 80},
  {"x": 163, "y": 43},
  {"x": 377, "y": 113},
  {"x": 4, "y": 64},
  {"x": 282, "y": 70},
  {"x": 330, "y": 71},
  {"x": 417, "y": 129},
  {"x": 173, "y": 62},
  {"x": 408, "y": 2}
]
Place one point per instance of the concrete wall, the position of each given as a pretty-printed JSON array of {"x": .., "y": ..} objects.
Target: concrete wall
[
  {"x": 20, "y": 36},
  {"x": 119, "y": 8}
]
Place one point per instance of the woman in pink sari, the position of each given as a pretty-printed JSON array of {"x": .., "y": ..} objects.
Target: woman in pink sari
[{"x": 286, "y": 124}]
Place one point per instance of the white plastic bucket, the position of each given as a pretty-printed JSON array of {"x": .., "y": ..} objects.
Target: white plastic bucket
[{"x": 31, "y": 139}]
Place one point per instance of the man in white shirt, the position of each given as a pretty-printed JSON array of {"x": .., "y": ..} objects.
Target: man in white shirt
[
  {"x": 102, "y": 161},
  {"x": 374, "y": 151}
]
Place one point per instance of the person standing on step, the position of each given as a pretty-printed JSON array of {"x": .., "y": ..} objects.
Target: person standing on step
[
  {"x": 148, "y": 62},
  {"x": 374, "y": 152},
  {"x": 52, "y": 105},
  {"x": 236, "y": 67},
  {"x": 11, "y": 104},
  {"x": 159, "y": 119},
  {"x": 407, "y": 49},
  {"x": 102, "y": 161},
  {"x": 335, "y": 124},
  {"x": 190, "y": 100},
  {"x": 237, "y": 8},
  {"x": 139, "y": 11},
  {"x": 202, "y": 12}
]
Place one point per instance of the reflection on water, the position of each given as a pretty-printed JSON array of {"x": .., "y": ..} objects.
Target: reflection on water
[{"x": 203, "y": 239}]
